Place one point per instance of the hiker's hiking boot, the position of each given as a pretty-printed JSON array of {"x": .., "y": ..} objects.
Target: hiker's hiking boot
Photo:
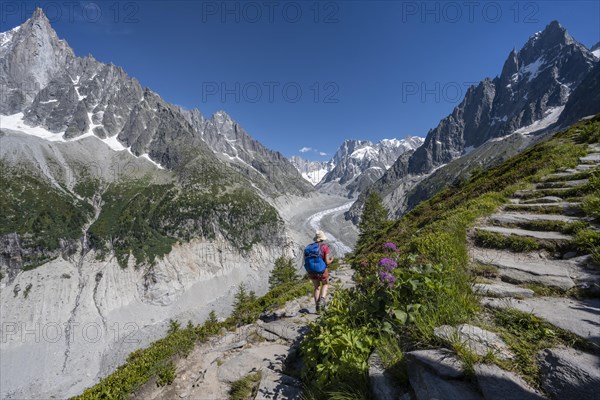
[{"x": 321, "y": 304}]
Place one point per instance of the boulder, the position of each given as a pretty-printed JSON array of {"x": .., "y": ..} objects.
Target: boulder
[
  {"x": 568, "y": 374},
  {"x": 441, "y": 361},
  {"x": 382, "y": 384},
  {"x": 476, "y": 339},
  {"x": 428, "y": 386},
  {"x": 498, "y": 384}
]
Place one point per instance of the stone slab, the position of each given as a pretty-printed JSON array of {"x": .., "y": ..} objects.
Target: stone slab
[
  {"x": 498, "y": 384},
  {"x": 501, "y": 290},
  {"x": 568, "y": 374},
  {"x": 476, "y": 339},
  {"x": 441, "y": 361},
  {"x": 581, "y": 317}
]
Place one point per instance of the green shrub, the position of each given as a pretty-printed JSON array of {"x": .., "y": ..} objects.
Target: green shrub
[
  {"x": 144, "y": 220},
  {"x": 245, "y": 388},
  {"x": 591, "y": 202},
  {"x": 589, "y": 133},
  {"x": 511, "y": 242},
  {"x": 166, "y": 374},
  {"x": 588, "y": 240},
  {"x": 39, "y": 212},
  {"x": 336, "y": 348}
]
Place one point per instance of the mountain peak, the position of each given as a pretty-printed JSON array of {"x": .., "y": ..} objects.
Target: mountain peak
[
  {"x": 39, "y": 14},
  {"x": 39, "y": 21},
  {"x": 554, "y": 33},
  {"x": 38, "y": 55}
]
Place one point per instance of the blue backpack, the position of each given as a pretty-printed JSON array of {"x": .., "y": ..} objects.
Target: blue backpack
[{"x": 313, "y": 259}]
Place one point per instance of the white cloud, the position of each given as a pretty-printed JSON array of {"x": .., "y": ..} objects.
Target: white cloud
[
  {"x": 322, "y": 153},
  {"x": 305, "y": 149}
]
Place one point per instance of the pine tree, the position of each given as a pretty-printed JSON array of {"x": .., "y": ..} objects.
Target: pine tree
[
  {"x": 240, "y": 299},
  {"x": 252, "y": 297},
  {"x": 283, "y": 272},
  {"x": 212, "y": 318},
  {"x": 373, "y": 219}
]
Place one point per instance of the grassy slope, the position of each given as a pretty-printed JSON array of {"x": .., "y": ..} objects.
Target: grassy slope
[
  {"x": 40, "y": 213},
  {"x": 432, "y": 278},
  {"x": 138, "y": 217}
]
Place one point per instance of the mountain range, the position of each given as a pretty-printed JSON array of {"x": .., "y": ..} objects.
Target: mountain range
[
  {"x": 355, "y": 165},
  {"x": 120, "y": 208},
  {"x": 538, "y": 85}
]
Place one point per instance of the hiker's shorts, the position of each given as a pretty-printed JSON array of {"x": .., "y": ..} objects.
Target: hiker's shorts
[{"x": 324, "y": 277}]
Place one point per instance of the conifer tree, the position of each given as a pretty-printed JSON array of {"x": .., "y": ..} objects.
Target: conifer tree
[
  {"x": 240, "y": 299},
  {"x": 283, "y": 272},
  {"x": 373, "y": 219}
]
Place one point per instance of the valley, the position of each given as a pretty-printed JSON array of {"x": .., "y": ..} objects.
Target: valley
[{"x": 139, "y": 239}]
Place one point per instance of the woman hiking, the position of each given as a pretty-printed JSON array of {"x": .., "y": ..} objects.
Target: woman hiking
[{"x": 317, "y": 256}]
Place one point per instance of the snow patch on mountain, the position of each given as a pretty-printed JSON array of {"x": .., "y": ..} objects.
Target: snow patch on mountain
[
  {"x": 365, "y": 152},
  {"x": 551, "y": 116},
  {"x": 532, "y": 70},
  {"x": 15, "y": 122},
  {"x": 312, "y": 171},
  {"x": 6, "y": 37},
  {"x": 314, "y": 177}
]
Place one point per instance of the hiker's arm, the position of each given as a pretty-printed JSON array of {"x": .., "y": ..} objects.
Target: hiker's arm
[{"x": 328, "y": 257}]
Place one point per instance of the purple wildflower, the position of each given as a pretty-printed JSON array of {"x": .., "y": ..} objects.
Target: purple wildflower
[
  {"x": 387, "y": 278},
  {"x": 387, "y": 263},
  {"x": 390, "y": 246}
]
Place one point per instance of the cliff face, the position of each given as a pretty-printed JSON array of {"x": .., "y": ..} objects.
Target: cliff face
[{"x": 88, "y": 315}]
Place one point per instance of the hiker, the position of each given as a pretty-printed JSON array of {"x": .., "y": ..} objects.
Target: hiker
[{"x": 317, "y": 257}]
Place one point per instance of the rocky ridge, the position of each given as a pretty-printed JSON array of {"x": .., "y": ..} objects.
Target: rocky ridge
[
  {"x": 359, "y": 163},
  {"x": 529, "y": 95}
]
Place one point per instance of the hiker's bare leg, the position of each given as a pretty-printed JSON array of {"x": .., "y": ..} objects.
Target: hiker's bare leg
[
  {"x": 316, "y": 291},
  {"x": 324, "y": 290}
]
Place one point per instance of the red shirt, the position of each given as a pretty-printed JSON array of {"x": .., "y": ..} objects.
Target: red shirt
[{"x": 324, "y": 251}]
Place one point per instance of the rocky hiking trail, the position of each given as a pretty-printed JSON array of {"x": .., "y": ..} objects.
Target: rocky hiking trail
[
  {"x": 556, "y": 283},
  {"x": 565, "y": 372},
  {"x": 270, "y": 345}
]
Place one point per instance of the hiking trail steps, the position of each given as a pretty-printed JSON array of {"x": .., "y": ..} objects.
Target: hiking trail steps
[
  {"x": 565, "y": 373},
  {"x": 512, "y": 280}
]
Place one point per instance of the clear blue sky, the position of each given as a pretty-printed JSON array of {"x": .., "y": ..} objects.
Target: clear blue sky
[{"x": 366, "y": 69}]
